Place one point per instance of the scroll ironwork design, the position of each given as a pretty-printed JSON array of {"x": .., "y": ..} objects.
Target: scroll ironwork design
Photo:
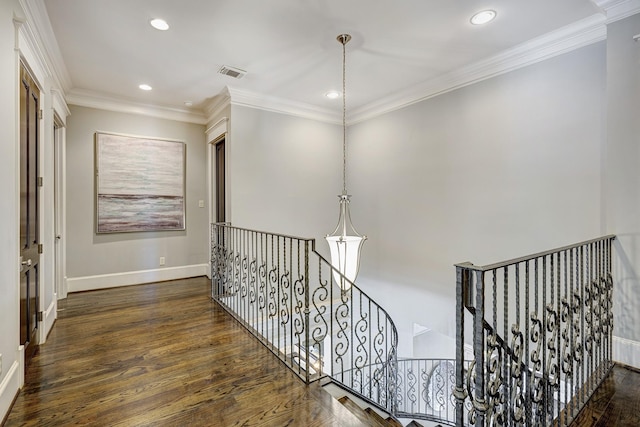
[
  {"x": 287, "y": 295},
  {"x": 542, "y": 333},
  {"x": 426, "y": 389}
]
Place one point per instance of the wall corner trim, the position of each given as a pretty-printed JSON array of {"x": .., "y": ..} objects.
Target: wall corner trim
[
  {"x": 49, "y": 318},
  {"x": 626, "y": 351},
  {"x": 114, "y": 280}
]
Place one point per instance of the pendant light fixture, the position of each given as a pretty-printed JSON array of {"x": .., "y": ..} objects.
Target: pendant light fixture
[{"x": 345, "y": 243}]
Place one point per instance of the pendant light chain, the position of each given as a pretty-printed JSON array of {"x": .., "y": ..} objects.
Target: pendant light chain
[{"x": 344, "y": 41}]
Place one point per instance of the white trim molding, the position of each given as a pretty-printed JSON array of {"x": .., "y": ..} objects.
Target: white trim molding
[
  {"x": 60, "y": 107},
  {"x": 48, "y": 319},
  {"x": 626, "y": 351},
  {"x": 37, "y": 16},
  {"x": 215, "y": 131},
  {"x": 9, "y": 387},
  {"x": 283, "y": 106},
  {"x": 91, "y": 99},
  {"x": 618, "y": 9},
  {"x": 571, "y": 37},
  {"x": 563, "y": 40},
  {"x": 217, "y": 105},
  {"x": 114, "y": 280}
]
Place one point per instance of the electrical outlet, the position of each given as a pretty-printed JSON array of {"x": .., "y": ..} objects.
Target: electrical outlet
[
  {"x": 201, "y": 203},
  {"x": 161, "y": 260}
]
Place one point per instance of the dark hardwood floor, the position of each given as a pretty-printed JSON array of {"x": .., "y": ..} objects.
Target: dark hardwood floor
[
  {"x": 162, "y": 354},
  {"x": 165, "y": 354},
  {"x": 615, "y": 403}
]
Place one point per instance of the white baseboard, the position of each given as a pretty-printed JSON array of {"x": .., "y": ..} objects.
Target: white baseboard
[
  {"x": 104, "y": 281},
  {"x": 626, "y": 351},
  {"x": 49, "y": 317},
  {"x": 64, "y": 288},
  {"x": 8, "y": 389},
  {"x": 12, "y": 383}
]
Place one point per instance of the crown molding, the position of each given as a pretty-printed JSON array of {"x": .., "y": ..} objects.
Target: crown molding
[
  {"x": 284, "y": 106},
  {"x": 30, "y": 53},
  {"x": 616, "y": 10},
  {"x": 563, "y": 40},
  {"x": 84, "y": 98},
  {"x": 216, "y": 107},
  {"x": 38, "y": 21},
  {"x": 571, "y": 37}
]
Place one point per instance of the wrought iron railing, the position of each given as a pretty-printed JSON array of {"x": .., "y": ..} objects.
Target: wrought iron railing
[
  {"x": 287, "y": 295},
  {"x": 542, "y": 335},
  {"x": 425, "y": 389}
]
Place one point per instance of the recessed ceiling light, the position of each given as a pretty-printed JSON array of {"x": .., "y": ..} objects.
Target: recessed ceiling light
[
  {"x": 159, "y": 24},
  {"x": 145, "y": 87},
  {"x": 483, "y": 17},
  {"x": 188, "y": 103},
  {"x": 332, "y": 94}
]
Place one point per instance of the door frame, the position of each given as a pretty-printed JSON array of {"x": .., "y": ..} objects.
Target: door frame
[
  {"x": 34, "y": 332},
  {"x": 52, "y": 102},
  {"x": 214, "y": 134},
  {"x": 54, "y": 110},
  {"x": 60, "y": 289}
]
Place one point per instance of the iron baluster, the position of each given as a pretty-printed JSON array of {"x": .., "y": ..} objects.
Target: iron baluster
[
  {"x": 479, "y": 402},
  {"x": 462, "y": 282}
]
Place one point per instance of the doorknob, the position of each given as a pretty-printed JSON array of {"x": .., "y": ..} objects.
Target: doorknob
[
  {"x": 58, "y": 237},
  {"x": 24, "y": 263}
]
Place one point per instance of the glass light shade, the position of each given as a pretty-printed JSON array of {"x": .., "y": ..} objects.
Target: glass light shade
[{"x": 345, "y": 244}]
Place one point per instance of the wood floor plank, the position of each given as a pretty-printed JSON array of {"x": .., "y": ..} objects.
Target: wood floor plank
[
  {"x": 162, "y": 354},
  {"x": 615, "y": 403}
]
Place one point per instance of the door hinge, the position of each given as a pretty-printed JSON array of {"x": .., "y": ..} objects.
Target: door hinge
[
  {"x": 40, "y": 316},
  {"x": 40, "y": 181},
  {"x": 40, "y": 114},
  {"x": 40, "y": 248}
]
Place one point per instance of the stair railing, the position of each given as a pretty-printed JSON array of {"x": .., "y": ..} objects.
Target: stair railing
[
  {"x": 289, "y": 297},
  {"x": 425, "y": 389},
  {"x": 541, "y": 328}
]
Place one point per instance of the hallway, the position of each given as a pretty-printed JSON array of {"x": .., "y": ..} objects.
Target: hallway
[{"x": 163, "y": 354}]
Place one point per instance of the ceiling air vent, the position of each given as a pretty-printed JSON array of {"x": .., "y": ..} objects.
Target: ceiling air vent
[{"x": 236, "y": 73}]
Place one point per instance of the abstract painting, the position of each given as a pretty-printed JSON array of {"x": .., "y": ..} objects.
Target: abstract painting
[{"x": 140, "y": 184}]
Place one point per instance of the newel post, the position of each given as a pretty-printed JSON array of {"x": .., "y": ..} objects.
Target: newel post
[{"x": 462, "y": 284}]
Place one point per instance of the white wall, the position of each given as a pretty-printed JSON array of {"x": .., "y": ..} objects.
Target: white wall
[
  {"x": 9, "y": 278},
  {"x": 96, "y": 261},
  {"x": 285, "y": 173},
  {"x": 623, "y": 182},
  {"x": 503, "y": 168}
]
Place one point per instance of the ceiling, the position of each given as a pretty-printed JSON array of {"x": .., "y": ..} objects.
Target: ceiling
[{"x": 288, "y": 48}]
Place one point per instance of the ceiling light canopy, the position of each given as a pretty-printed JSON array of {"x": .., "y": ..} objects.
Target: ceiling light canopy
[
  {"x": 159, "y": 24},
  {"x": 145, "y": 87},
  {"x": 483, "y": 17}
]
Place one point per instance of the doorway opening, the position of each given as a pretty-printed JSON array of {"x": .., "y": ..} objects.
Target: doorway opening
[
  {"x": 60, "y": 290},
  {"x": 220, "y": 193},
  {"x": 30, "y": 183}
]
